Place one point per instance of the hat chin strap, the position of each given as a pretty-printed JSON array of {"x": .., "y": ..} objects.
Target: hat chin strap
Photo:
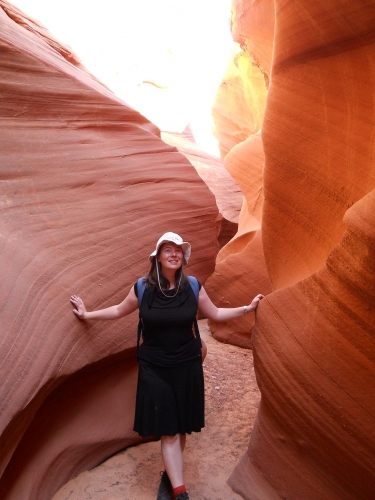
[{"x": 179, "y": 282}]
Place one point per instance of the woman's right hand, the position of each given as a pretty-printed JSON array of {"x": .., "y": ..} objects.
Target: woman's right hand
[
  {"x": 80, "y": 309},
  {"x": 255, "y": 302}
]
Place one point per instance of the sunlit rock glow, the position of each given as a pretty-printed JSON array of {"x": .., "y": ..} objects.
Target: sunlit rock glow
[{"x": 314, "y": 337}]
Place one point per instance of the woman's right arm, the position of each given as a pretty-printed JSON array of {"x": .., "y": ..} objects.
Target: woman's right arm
[{"x": 127, "y": 306}]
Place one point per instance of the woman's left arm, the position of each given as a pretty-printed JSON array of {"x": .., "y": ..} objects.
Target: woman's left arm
[{"x": 208, "y": 309}]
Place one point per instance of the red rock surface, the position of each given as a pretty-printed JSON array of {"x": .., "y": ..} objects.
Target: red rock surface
[
  {"x": 317, "y": 132},
  {"x": 252, "y": 26},
  {"x": 315, "y": 363},
  {"x": 238, "y": 112},
  {"x": 87, "y": 187},
  {"x": 314, "y": 339},
  {"x": 226, "y": 190},
  {"x": 239, "y": 103},
  {"x": 211, "y": 169},
  {"x": 240, "y": 271}
]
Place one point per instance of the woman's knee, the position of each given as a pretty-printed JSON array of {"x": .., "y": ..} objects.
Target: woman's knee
[{"x": 170, "y": 440}]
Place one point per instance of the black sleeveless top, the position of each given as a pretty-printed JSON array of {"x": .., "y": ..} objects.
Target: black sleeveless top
[{"x": 168, "y": 327}]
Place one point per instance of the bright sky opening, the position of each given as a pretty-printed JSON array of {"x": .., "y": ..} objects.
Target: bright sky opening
[{"x": 165, "y": 58}]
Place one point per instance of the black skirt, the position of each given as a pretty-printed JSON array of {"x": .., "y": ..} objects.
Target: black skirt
[{"x": 170, "y": 400}]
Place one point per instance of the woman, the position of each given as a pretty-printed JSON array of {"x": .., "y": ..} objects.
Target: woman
[{"x": 170, "y": 391}]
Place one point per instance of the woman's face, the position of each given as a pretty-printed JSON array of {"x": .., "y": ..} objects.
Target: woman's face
[{"x": 171, "y": 256}]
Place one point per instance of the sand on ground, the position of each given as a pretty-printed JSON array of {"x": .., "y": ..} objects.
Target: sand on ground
[{"x": 232, "y": 399}]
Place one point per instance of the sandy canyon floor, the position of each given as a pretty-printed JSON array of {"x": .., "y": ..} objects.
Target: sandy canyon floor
[{"x": 232, "y": 398}]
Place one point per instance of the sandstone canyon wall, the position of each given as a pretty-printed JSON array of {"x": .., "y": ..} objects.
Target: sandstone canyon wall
[
  {"x": 240, "y": 271},
  {"x": 86, "y": 188},
  {"x": 238, "y": 111},
  {"x": 314, "y": 339},
  {"x": 226, "y": 190}
]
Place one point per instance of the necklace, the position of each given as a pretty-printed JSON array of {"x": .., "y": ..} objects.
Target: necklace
[{"x": 165, "y": 295}]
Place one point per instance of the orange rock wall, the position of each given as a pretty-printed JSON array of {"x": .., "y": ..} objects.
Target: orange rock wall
[
  {"x": 317, "y": 132},
  {"x": 86, "y": 189},
  {"x": 314, "y": 338},
  {"x": 238, "y": 112},
  {"x": 211, "y": 169},
  {"x": 314, "y": 356},
  {"x": 239, "y": 103},
  {"x": 252, "y": 26},
  {"x": 240, "y": 270}
]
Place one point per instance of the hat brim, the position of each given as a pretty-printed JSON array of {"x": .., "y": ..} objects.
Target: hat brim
[{"x": 186, "y": 248}]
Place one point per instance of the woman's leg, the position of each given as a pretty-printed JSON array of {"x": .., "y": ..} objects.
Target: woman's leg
[
  {"x": 171, "y": 451},
  {"x": 182, "y": 441}
]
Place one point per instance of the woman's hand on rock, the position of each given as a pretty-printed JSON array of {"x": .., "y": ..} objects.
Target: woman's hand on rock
[
  {"x": 80, "y": 309},
  {"x": 255, "y": 301}
]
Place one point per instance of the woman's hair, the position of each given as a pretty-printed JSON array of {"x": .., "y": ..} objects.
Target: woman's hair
[{"x": 152, "y": 277}]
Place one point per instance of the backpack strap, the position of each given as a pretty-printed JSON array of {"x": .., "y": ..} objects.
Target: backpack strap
[
  {"x": 141, "y": 286},
  {"x": 195, "y": 286}
]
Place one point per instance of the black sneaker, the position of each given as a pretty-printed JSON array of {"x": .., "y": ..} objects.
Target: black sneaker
[
  {"x": 182, "y": 496},
  {"x": 165, "y": 491}
]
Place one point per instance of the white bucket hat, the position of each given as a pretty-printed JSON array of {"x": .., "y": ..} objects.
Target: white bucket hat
[{"x": 174, "y": 238}]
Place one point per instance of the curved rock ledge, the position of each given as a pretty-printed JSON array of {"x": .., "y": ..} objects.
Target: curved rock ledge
[{"x": 315, "y": 364}]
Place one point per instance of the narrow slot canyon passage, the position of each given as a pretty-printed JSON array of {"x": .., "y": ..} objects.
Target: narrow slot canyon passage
[
  {"x": 247, "y": 127},
  {"x": 232, "y": 398}
]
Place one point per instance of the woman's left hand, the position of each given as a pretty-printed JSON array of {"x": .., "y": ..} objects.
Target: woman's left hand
[
  {"x": 255, "y": 302},
  {"x": 80, "y": 309}
]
